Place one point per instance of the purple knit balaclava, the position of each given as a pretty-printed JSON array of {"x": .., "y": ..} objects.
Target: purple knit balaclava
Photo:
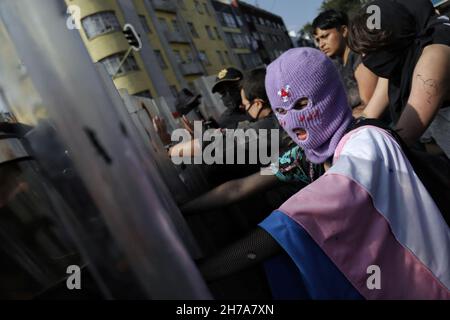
[{"x": 305, "y": 74}]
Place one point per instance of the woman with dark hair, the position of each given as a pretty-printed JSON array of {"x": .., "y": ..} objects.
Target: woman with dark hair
[
  {"x": 411, "y": 55},
  {"x": 331, "y": 35}
]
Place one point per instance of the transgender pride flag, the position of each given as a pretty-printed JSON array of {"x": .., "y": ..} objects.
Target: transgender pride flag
[{"x": 369, "y": 209}]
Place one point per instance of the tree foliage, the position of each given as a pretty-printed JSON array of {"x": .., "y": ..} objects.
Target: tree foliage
[{"x": 348, "y": 6}]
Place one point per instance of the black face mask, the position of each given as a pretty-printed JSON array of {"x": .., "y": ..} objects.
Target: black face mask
[
  {"x": 412, "y": 24},
  {"x": 407, "y": 22},
  {"x": 231, "y": 98}
]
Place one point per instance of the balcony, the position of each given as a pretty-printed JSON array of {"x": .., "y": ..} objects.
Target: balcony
[
  {"x": 191, "y": 68},
  {"x": 176, "y": 37},
  {"x": 164, "y": 5}
]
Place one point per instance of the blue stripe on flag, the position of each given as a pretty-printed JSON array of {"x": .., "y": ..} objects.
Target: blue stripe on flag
[{"x": 321, "y": 278}]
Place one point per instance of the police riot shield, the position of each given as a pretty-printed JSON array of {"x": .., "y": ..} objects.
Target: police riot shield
[{"x": 84, "y": 204}]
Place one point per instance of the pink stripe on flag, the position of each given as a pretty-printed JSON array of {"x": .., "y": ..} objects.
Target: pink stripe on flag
[
  {"x": 350, "y": 135},
  {"x": 339, "y": 215}
]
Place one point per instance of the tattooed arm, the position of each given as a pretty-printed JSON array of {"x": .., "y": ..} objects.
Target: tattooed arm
[{"x": 430, "y": 87}]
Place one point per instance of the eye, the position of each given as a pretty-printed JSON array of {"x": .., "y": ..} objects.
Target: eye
[
  {"x": 301, "y": 104},
  {"x": 280, "y": 111}
]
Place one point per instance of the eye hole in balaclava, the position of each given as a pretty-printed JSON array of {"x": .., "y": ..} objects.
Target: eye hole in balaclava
[
  {"x": 301, "y": 104},
  {"x": 280, "y": 111}
]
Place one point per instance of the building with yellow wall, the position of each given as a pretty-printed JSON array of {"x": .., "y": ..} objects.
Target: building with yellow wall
[
  {"x": 102, "y": 23},
  {"x": 212, "y": 50},
  {"x": 183, "y": 41},
  {"x": 150, "y": 15}
]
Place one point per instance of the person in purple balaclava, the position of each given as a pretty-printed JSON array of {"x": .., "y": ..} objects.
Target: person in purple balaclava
[
  {"x": 304, "y": 107},
  {"x": 368, "y": 228}
]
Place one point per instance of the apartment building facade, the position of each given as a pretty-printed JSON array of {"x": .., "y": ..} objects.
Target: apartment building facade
[
  {"x": 208, "y": 40},
  {"x": 267, "y": 29},
  {"x": 181, "y": 41},
  {"x": 256, "y": 36},
  {"x": 236, "y": 34}
]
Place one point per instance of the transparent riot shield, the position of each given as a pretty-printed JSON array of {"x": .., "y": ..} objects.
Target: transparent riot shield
[{"x": 80, "y": 189}]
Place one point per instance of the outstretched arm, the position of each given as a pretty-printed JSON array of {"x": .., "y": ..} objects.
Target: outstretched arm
[
  {"x": 254, "y": 249},
  {"x": 230, "y": 192},
  {"x": 379, "y": 101},
  {"x": 430, "y": 87}
]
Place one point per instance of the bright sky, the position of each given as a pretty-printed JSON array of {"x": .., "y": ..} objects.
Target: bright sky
[{"x": 295, "y": 13}]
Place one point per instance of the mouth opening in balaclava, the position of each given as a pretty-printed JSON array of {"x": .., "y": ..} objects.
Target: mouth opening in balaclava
[{"x": 318, "y": 126}]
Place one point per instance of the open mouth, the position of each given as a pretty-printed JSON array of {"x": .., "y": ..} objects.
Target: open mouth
[{"x": 301, "y": 134}]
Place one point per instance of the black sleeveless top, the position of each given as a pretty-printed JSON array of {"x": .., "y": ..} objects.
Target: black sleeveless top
[
  {"x": 347, "y": 73},
  {"x": 413, "y": 25}
]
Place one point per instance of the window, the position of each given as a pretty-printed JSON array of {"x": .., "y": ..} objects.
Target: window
[
  {"x": 203, "y": 57},
  {"x": 144, "y": 94},
  {"x": 144, "y": 23},
  {"x": 217, "y": 33},
  {"x": 205, "y": 5},
  {"x": 221, "y": 58},
  {"x": 189, "y": 58},
  {"x": 178, "y": 56},
  {"x": 248, "y": 40},
  {"x": 175, "y": 26},
  {"x": 209, "y": 32},
  {"x": 227, "y": 56},
  {"x": 238, "y": 40},
  {"x": 111, "y": 64},
  {"x": 239, "y": 21},
  {"x": 163, "y": 24},
  {"x": 230, "y": 39},
  {"x": 198, "y": 6},
  {"x": 228, "y": 20},
  {"x": 160, "y": 58},
  {"x": 192, "y": 29},
  {"x": 233, "y": 39},
  {"x": 100, "y": 23},
  {"x": 255, "y": 60}
]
